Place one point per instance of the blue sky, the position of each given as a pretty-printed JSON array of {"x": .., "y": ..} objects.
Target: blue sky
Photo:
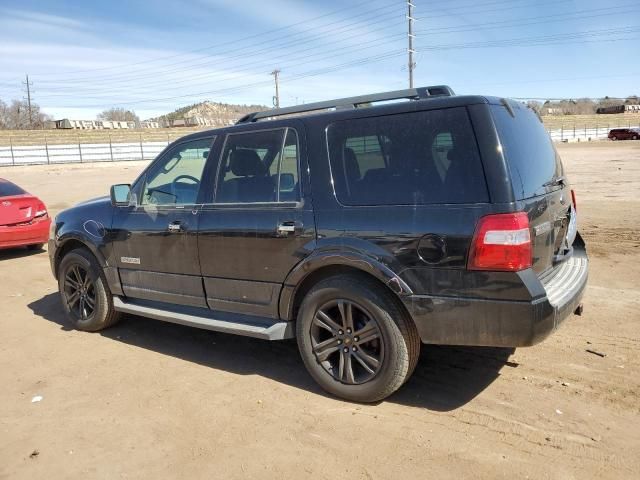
[{"x": 85, "y": 56}]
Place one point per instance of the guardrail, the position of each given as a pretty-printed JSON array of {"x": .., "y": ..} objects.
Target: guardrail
[
  {"x": 584, "y": 133},
  {"x": 79, "y": 152}
]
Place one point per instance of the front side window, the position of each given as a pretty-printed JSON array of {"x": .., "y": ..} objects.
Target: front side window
[
  {"x": 175, "y": 180},
  {"x": 259, "y": 167},
  {"x": 407, "y": 159}
]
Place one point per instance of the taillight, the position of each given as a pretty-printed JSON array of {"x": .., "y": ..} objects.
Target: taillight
[
  {"x": 501, "y": 242},
  {"x": 41, "y": 211},
  {"x": 573, "y": 200}
]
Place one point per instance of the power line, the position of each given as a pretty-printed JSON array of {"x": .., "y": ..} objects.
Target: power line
[
  {"x": 216, "y": 60},
  {"x": 521, "y": 41},
  {"x": 216, "y": 74},
  {"x": 214, "y": 57},
  {"x": 232, "y": 42},
  {"x": 239, "y": 88},
  {"x": 311, "y": 73},
  {"x": 543, "y": 19},
  {"x": 252, "y": 66}
]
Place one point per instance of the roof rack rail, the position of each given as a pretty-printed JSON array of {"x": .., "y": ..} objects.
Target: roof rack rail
[{"x": 419, "y": 93}]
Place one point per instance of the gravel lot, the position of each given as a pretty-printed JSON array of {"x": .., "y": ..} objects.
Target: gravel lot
[{"x": 147, "y": 399}]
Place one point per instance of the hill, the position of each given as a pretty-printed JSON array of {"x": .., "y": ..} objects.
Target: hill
[{"x": 207, "y": 113}]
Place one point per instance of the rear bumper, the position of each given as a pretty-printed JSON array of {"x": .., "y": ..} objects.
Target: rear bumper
[
  {"x": 17, "y": 236},
  {"x": 500, "y": 323}
]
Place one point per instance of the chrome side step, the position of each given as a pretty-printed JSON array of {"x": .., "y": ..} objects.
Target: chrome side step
[{"x": 248, "y": 326}]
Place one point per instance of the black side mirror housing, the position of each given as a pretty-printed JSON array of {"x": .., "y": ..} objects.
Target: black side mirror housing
[{"x": 121, "y": 195}]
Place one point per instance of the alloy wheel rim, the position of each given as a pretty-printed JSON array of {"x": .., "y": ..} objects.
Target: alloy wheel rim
[
  {"x": 347, "y": 342},
  {"x": 79, "y": 290}
]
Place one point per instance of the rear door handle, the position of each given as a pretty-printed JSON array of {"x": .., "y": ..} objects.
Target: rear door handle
[
  {"x": 286, "y": 228},
  {"x": 175, "y": 227}
]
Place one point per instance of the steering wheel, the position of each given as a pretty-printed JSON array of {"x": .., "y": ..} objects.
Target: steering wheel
[
  {"x": 176, "y": 181},
  {"x": 187, "y": 177}
]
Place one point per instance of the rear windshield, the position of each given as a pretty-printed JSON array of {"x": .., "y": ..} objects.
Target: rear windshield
[
  {"x": 8, "y": 189},
  {"x": 407, "y": 159},
  {"x": 532, "y": 157}
]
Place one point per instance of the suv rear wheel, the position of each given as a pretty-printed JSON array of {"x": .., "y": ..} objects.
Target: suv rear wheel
[
  {"x": 355, "y": 340},
  {"x": 83, "y": 289}
]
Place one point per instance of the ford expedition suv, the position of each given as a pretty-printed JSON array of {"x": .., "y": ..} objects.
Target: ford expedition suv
[{"x": 362, "y": 227}]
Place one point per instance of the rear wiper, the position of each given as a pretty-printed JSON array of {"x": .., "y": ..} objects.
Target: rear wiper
[{"x": 562, "y": 180}]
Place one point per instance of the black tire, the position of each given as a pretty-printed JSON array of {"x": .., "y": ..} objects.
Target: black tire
[
  {"x": 635, "y": 137},
  {"x": 614, "y": 138},
  {"x": 35, "y": 247},
  {"x": 396, "y": 346},
  {"x": 92, "y": 309}
]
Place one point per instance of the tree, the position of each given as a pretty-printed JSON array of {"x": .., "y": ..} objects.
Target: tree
[
  {"x": 119, "y": 115},
  {"x": 16, "y": 115},
  {"x": 535, "y": 106},
  {"x": 3, "y": 115}
]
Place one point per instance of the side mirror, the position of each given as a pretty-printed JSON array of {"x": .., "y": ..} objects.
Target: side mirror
[{"x": 121, "y": 195}]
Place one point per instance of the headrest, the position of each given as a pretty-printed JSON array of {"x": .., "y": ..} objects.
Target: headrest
[
  {"x": 351, "y": 167},
  {"x": 246, "y": 163}
]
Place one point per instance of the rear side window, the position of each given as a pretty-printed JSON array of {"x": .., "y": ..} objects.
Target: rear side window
[
  {"x": 408, "y": 159},
  {"x": 8, "y": 189},
  {"x": 259, "y": 167},
  {"x": 532, "y": 157}
]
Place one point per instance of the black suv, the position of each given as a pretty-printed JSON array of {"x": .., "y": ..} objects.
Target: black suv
[{"x": 361, "y": 230}]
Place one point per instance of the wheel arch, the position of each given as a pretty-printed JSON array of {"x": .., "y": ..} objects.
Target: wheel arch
[
  {"x": 319, "y": 267},
  {"x": 73, "y": 242}
]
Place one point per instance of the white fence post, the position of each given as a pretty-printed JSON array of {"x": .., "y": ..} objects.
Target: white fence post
[
  {"x": 79, "y": 149},
  {"x": 13, "y": 159},
  {"x": 141, "y": 150},
  {"x": 110, "y": 148},
  {"x": 46, "y": 148}
]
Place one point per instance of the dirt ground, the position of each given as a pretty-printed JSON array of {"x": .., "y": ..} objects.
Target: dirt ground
[{"x": 147, "y": 399}]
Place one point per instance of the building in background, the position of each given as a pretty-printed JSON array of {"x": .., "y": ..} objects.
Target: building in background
[
  {"x": 67, "y": 124},
  {"x": 619, "y": 109}
]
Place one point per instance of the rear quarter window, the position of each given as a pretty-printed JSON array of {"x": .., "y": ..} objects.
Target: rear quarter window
[
  {"x": 413, "y": 158},
  {"x": 532, "y": 158}
]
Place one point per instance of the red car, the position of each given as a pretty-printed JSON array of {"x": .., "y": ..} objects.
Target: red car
[{"x": 24, "y": 220}]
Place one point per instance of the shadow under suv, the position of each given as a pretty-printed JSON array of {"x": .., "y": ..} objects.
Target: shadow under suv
[{"x": 361, "y": 230}]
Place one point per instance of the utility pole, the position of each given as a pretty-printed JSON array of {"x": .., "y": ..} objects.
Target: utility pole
[
  {"x": 412, "y": 64},
  {"x": 276, "y": 99},
  {"x": 29, "y": 85}
]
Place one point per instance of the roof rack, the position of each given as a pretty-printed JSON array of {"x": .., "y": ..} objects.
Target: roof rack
[{"x": 352, "y": 102}]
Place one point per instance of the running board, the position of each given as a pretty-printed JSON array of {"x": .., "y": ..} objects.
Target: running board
[{"x": 246, "y": 325}]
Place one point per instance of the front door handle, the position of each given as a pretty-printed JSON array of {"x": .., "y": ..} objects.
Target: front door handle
[
  {"x": 175, "y": 227},
  {"x": 285, "y": 228}
]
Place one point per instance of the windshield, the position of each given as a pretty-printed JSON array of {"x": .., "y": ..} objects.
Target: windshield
[
  {"x": 533, "y": 160},
  {"x": 8, "y": 189}
]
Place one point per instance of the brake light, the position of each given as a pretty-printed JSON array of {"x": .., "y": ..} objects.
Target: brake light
[
  {"x": 573, "y": 200},
  {"x": 502, "y": 242},
  {"x": 41, "y": 211}
]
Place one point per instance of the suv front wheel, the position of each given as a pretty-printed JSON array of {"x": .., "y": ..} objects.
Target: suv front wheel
[
  {"x": 355, "y": 339},
  {"x": 85, "y": 296}
]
